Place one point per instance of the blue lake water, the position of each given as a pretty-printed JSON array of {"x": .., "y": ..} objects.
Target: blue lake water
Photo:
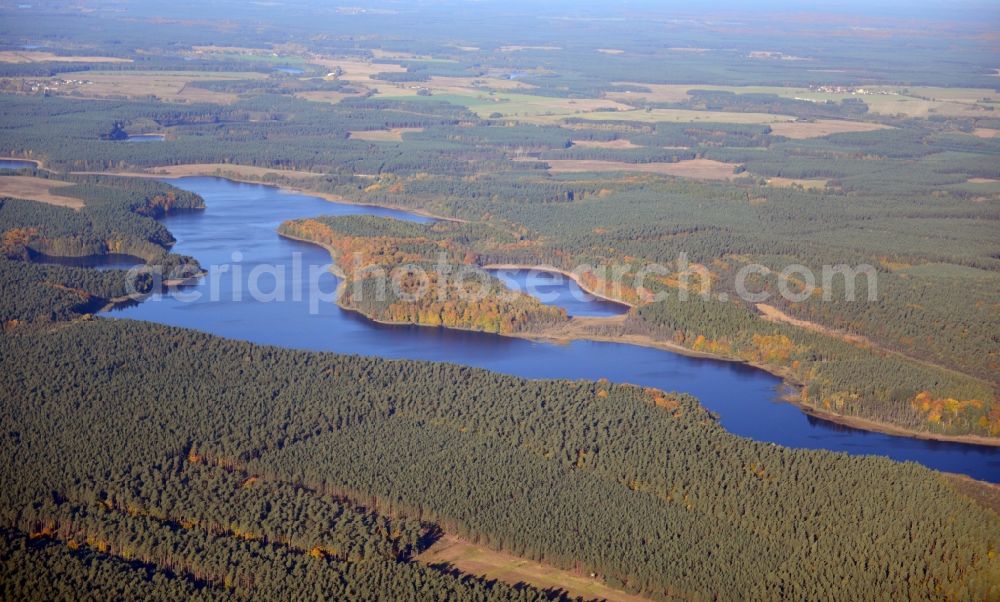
[
  {"x": 145, "y": 138},
  {"x": 237, "y": 233},
  {"x": 111, "y": 261},
  {"x": 15, "y": 164},
  {"x": 554, "y": 288}
]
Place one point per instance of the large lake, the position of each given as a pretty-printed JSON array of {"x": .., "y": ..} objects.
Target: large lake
[{"x": 241, "y": 219}]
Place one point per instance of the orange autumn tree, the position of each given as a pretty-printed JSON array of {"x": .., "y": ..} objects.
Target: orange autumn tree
[{"x": 948, "y": 411}]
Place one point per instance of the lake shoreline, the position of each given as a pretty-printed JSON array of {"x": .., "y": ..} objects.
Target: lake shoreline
[
  {"x": 864, "y": 424},
  {"x": 236, "y": 177},
  {"x": 639, "y": 340},
  {"x": 573, "y": 330},
  {"x": 115, "y": 302},
  {"x": 855, "y": 422},
  {"x": 38, "y": 164}
]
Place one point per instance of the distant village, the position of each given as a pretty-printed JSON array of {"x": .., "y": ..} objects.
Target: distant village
[
  {"x": 852, "y": 90},
  {"x": 41, "y": 86}
]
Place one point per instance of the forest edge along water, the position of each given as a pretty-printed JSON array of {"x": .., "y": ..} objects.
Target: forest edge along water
[{"x": 244, "y": 217}]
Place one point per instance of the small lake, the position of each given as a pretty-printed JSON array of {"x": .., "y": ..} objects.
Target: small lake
[
  {"x": 237, "y": 233},
  {"x": 111, "y": 261},
  {"x": 15, "y": 164},
  {"x": 146, "y": 138},
  {"x": 555, "y": 288}
]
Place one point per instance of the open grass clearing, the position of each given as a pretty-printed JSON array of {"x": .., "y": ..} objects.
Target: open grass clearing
[
  {"x": 985, "y": 133},
  {"x": 685, "y": 116},
  {"x": 38, "y": 189},
  {"x": 474, "y": 85},
  {"x": 277, "y": 54},
  {"x": 981, "y": 186},
  {"x": 681, "y": 92},
  {"x": 697, "y": 169},
  {"x": 471, "y": 87},
  {"x": 946, "y": 105},
  {"x": 619, "y": 144},
  {"x": 808, "y": 184},
  {"x": 512, "y": 105},
  {"x": 354, "y": 69},
  {"x": 330, "y": 96},
  {"x": 822, "y": 127},
  {"x": 171, "y": 86},
  {"x": 479, "y": 560},
  {"x": 393, "y": 135}
]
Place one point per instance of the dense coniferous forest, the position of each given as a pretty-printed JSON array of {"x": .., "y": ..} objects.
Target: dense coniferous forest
[
  {"x": 118, "y": 217},
  {"x": 701, "y": 501},
  {"x": 837, "y": 376},
  {"x": 36, "y": 294}
]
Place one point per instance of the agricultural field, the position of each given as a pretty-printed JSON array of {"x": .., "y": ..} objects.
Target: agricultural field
[
  {"x": 167, "y": 86},
  {"x": 354, "y": 70},
  {"x": 521, "y": 107},
  {"x": 34, "y": 56},
  {"x": 920, "y": 102},
  {"x": 696, "y": 169},
  {"x": 686, "y": 116},
  {"x": 45, "y": 191},
  {"x": 620, "y": 143},
  {"x": 798, "y": 130},
  {"x": 814, "y": 184},
  {"x": 393, "y": 135}
]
